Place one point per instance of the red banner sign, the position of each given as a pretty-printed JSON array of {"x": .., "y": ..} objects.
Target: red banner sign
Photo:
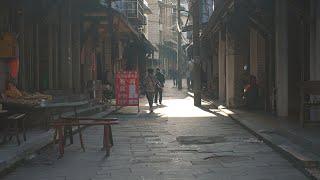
[{"x": 127, "y": 88}]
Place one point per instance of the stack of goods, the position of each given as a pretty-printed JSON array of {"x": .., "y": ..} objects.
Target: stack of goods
[
  {"x": 12, "y": 91},
  {"x": 30, "y": 99}
]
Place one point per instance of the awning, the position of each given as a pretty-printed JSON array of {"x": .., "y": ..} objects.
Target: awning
[
  {"x": 168, "y": 52},
  {"x": 121, "y": 26},
  {"x": 190, "y": 27},
  {"x": 120, "y": 23},
  {"x": 148, "y": 45}
]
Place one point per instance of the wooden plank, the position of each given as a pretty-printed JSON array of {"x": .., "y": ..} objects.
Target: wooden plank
[
  {"x": 64, "y": 104},
  {"x": 94, "y": 123},
  {"x": 88, "y": 118}
]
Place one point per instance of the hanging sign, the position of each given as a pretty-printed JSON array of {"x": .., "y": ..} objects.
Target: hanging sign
[{"x": 127, "y": 88}]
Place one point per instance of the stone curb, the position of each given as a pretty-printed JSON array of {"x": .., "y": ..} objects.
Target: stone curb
[{"x": 7, "y": 165}]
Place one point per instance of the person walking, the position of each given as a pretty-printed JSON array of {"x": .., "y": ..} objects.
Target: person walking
[
  {"x": 159, "y": 87},
  {"x": 174, "y": 77},
  {"x": 150, "y": 87}
]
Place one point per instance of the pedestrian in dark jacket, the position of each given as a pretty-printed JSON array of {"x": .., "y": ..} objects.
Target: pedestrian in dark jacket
[
  {"x": 150, "y": 87},
  {"x": 159, "y": 88},
  {"x": 174, "y": 77}
]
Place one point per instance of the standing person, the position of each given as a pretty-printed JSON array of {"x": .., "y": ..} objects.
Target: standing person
[
  {"x": 251, "y": 93},
  {"x": 150, "y": 87},
  {"x": 159, "y": 88},
  {"x": 174, "y": 77},
  {"x": 189, "y": 75}
]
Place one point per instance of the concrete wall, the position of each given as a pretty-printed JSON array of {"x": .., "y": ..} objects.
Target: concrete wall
[
  {"x": 153, "y": 25},
  {"x": 281, "y": 56},
  {"x": 237, "y": 54},
  {"x": 315, "y": 41}
]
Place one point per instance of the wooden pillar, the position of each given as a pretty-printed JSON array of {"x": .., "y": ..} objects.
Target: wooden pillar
[
  {"x": 75, "y": 48},
  {"x": 56, "y": 63},
  {"x": 62, "y": 45},
  {"x": 109, "y": 46},
  {"x": 253, "y": 52},
  {"x": 65, "y": 48},
  {"x": 312, "y": 39},
  {"x": 215, "y": 68},
  {"x": 22, "y": 59},
  {"x": 50, "y": 55},
  {"x": 281, "y": 56},
  {"x": 76, "y": 56},
  {"x": 37, "y": 59},
  {"x": 230, "y": 69},
  {"x": 317, "y": 44},
  {"x": 69, "y": 45},
  {"x": 314, "y": 49},
  {"x": 108, "y": 61},
  {"x": 222, "y": 66},
  {"x": 29, "y": 55},
  {"x": 196, "y": 73}
]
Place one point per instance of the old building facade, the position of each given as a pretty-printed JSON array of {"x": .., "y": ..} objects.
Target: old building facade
[
  {"x": 65, "y": 44},
  {"x": 275, "y": 41}
]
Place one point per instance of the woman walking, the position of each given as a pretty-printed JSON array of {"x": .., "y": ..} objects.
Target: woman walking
[{"x": 150, "y": 87}]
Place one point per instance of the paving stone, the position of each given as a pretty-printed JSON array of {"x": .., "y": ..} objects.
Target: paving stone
[{"x": 150, "y": 147}]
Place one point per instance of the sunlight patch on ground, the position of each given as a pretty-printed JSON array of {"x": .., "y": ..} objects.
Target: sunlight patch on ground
[
  {"x": 217, "y": 111},
  {"x": 228, "y": 111},
  {"x": 225, "y": 110},
  {"x": 181, "y": 108},
  {"x": 205, "y": 103},
  {"x": 191, "y": 94}
]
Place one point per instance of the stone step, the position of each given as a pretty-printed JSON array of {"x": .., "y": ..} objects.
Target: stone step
[
  {"x": 299, "y": 154},
  {"x": 306, "y": 159},
  {"x": 84, "y": 111}
]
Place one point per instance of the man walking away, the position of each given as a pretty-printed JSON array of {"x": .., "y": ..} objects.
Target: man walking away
[
  {"x": 174, "y": 77},
  {"x": 159, "y": 87},
  {"x": 150, "y": 87}
]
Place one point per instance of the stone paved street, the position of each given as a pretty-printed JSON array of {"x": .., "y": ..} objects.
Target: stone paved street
[{"x": 177, "y": 141}]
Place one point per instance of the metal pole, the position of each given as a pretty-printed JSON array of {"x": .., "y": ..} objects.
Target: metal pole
[
  {"x": 179, "y": 62},
  {"x": 196, "y": 74}
]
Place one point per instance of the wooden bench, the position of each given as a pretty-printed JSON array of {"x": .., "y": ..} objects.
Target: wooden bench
[
  {"x": 107, "y": 133},
  {"x": 14, "y": 125},
  {"x": 308, "y": 88},
  {"x": 77, "y": 119},
  {"x": 88, "y": 119}
]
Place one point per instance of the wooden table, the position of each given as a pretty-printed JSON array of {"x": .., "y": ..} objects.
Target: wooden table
[
  {"x": 60, "y": 105},
  {"x": 107, "y": 132}
]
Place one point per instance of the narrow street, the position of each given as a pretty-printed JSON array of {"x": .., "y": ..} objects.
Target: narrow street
[{"x": 177, "y": 141}]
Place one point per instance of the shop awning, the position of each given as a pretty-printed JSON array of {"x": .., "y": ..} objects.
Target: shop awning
[{"x": 120, "y": 23}]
